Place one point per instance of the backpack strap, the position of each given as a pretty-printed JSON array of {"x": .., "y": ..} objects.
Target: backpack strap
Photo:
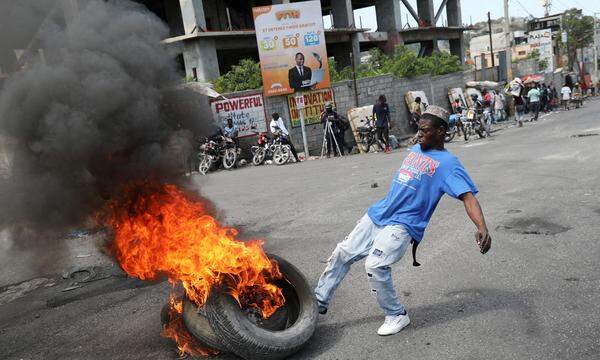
[{"x": 415, "y": 244}]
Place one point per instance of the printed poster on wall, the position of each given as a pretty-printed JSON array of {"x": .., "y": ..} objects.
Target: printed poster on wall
[
  {"x": 291, "y": 47},
  {"x": 314, "y": 104},
  {"x": 247, "y": 113},
  {"x": 542, "y": 40}
]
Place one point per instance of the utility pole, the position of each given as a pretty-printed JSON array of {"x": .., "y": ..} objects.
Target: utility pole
[
  {"x": 491, "y": 44},
  {"x": 547, "y": 4},
  {"x": 508, "y": 42},
  {"x": 596, "y": 31}
]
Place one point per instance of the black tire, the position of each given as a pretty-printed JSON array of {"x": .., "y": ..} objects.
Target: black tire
[
  {"x": 229, "y": 158},
  {"x": 205, "y": 165},
  {"x": 449, "y": 137},
  {"x": 282, "y": 155},
  {"x": 197, "y": 324},
  {"x": 250, "y": 340},
  {"x": 259, "y": 157},
  {"x": 364, "y": 144}
]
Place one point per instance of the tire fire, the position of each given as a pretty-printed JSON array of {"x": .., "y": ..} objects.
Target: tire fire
[{"x": 159, "y": 230}]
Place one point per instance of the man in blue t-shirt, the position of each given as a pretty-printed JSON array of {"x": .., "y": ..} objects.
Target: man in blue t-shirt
[{"x": 384, "y": 233}]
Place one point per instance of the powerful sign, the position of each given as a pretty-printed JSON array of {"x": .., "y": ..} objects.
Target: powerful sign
[
  {"x": 542, "y": 41},
  {"x": 314, "y": 103},
  {"x": 247, "y": 113},
  {"x": 291, "y": 46}
]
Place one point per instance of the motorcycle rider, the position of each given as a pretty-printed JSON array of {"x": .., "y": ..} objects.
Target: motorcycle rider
[
  {"x": 278, "y": 128},
  {"x": 458, "y": 110},
  {"x": 336, "y": 127},
  {"x": 478, "y": 108},
  {"x": 231, "y": 131}
]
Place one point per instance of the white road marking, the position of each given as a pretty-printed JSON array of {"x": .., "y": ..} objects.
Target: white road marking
[{"x": 476, "y": 144}]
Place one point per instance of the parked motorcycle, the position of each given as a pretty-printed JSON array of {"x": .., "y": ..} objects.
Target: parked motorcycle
[
  {"x": 270, "y": 148},
  {"x": 367, "y": 135},
  {"x": 472, "y": 123},
  {"x": 215, "y": 152},
  {"x": 453, "y": 120}
]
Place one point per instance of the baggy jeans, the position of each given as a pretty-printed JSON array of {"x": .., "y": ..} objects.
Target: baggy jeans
[{"x": 382, "y": 246}]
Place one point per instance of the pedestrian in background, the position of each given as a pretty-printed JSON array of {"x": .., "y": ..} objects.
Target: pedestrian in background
[
  {"x": 534, "y": 101},
  {"x": 487, "y": 112},
  {"x": 381, "y": 112},
  {"x": 566, "y": 96},
  {"x": 500, "y": 114}
]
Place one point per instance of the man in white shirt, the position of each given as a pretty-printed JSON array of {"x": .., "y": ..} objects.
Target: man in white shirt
[
  {"x": 278, "y": 128},
  {"x": 566, "y": 96}
]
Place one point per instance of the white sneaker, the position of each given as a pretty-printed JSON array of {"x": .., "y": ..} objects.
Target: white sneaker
[{"x": 393, "y": 324}]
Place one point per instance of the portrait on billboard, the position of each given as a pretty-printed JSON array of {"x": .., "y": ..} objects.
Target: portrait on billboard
[{"x": 291, "y": 47}]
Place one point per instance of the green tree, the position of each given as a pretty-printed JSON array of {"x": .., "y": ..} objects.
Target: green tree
[
  {"x": 580, "y": 31},
  {"x": 244, "y": 76}
]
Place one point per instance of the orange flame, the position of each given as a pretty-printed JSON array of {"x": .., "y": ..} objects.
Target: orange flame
[
  {"x": 161, "y": 231},
  {"x": 175, "y": 329}
]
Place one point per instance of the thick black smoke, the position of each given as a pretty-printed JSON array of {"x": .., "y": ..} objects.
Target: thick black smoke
[{"x": 88, "y": 116}]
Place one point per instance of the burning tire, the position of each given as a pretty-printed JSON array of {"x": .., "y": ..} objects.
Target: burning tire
[
  {"x": 197, "y": 324},
  {"x": 283, "y": 334}
]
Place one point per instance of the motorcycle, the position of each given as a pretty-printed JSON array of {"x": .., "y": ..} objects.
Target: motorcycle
[
  {"x": 267, "y": 148},
  {"x": 211, "y": 151},
  {"x": 472, "y": 123},
  {"x": 367, "y": 135},
  {"x": 452, "y": 127}
]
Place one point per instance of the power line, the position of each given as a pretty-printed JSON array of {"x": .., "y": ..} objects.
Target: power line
[{"x": 523, "y": 7}]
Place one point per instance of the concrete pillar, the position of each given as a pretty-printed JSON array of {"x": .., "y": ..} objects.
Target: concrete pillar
[
  {"x": 343, "y": 17},
  {"x": 192, "y": 15},
  {"x": 389, "y": 20},
  {"x": 457, "y": 48},
  {"x": 341, "y": 52},
  {"x": 174, "y": 18},
  {"x": 426, "y": 11},
  {"x": 453, "y": 13},
  {"x": 200, "y": 58}
]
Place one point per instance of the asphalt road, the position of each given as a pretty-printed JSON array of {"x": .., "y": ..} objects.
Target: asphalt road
[{"x": 533, "y": 296}]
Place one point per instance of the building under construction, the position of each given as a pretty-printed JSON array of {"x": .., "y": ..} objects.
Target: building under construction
[
  {"x": 216, "y": 34},
  {"x": 213, "y": 35}
]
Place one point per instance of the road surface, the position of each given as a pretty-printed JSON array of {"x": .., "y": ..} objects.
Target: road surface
[{"x": 533, "y": 296}]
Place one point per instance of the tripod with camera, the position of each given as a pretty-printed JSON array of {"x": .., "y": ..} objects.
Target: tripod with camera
[{"x": 329, "y": 137}]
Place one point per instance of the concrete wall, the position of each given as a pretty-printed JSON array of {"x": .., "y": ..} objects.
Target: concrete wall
[{"x": 369, "y": 89}]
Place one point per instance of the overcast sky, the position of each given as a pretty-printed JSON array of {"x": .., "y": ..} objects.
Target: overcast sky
[{"x": 477, "y": 10}]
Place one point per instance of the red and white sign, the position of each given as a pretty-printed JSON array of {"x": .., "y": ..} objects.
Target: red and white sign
[
  {"x": 247, "y": 113},
  {"x": 299, "y": 102}
]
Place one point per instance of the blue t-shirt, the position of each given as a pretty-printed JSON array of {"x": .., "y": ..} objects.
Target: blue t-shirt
[{"x": 418, "y": 187}]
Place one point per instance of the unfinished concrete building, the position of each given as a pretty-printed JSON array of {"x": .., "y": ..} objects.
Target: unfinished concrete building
[
  {"x": 213, "y": 35},
  {"x": 216, "y": 34}
]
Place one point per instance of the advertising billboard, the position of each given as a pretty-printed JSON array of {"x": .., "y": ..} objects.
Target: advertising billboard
[
  {"x": 542, "y": 41},
  {"x": 291, "y": 47},
  {"x": 247, "y": 113},
  {"x": 314, "y": 103}
]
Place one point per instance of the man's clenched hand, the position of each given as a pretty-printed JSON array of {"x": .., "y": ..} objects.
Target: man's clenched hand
[{"x": 484, "y": 240}]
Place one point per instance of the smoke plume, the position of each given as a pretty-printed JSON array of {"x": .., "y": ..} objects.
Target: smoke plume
[{"x": 88, "y": 115}]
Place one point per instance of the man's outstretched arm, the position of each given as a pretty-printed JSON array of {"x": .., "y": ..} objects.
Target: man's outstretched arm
[{"x": 482, "y": 237}]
